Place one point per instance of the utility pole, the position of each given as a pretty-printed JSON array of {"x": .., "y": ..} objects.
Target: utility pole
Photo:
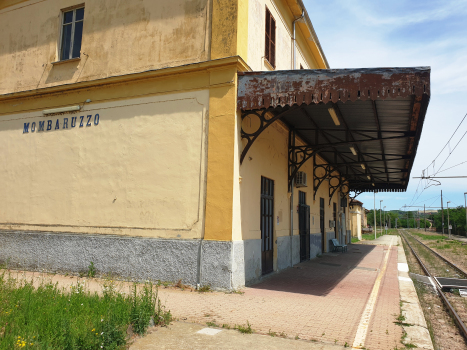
[
  {"x": 465, "y": 207},
  {"x": 449, "y": 227},
  {"x": 424, "y": 216},
  {"x": 374, "y": 211},
  {"x": 380, "y": 221},
  {"x": 384, "y": 214},
  {"x": 407, "y": 219},
  {"x": 442, "y": 212},
  {"x": 418, "y": 219}
]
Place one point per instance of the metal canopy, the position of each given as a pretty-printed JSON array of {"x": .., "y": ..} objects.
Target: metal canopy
[{"x": 378, "y": 115}]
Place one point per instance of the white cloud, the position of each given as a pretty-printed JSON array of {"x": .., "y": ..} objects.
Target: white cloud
[
  {"x": 429, "y": 12},
  {"x": 365, "y": 34}
]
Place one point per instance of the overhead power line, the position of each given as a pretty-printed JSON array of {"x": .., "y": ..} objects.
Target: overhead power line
[{"x": 447, "y": 143}]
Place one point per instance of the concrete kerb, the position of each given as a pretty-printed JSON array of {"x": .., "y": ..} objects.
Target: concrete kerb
[{"x": 417, "y": 333}]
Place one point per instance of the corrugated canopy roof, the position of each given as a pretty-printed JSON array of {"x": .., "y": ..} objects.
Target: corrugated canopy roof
[{"x": 378, "y": 115}]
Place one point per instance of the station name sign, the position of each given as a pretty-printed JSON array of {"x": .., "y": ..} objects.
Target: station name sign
[{"x": 64, "y": 123}]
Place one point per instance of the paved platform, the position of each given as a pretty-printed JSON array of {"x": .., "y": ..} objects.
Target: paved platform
[
  {"x": 322, "y": 299},
  {"x": 181, "y": 335},
  {"x": 346, "y": 299}
]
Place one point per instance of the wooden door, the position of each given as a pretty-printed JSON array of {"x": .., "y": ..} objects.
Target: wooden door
[
  {"x": 267, "y": 224},
  {"x": 304, "y": 226}
]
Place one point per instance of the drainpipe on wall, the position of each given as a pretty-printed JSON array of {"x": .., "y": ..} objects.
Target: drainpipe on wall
[
  {"x": 200, "y": 256},
  {"x": 291, "y": 224},
  {"x": 294, "y": 47},
  {"x": 343, "y": 231}
]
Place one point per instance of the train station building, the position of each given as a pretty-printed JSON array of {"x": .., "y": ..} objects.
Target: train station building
[{"x": 206, "y": 141}]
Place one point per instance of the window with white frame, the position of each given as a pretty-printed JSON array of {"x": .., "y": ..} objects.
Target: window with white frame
[{"x": 72, "y": 33}]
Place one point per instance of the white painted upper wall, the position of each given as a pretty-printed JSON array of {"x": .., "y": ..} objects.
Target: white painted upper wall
[{"x": 284, "y": 42}]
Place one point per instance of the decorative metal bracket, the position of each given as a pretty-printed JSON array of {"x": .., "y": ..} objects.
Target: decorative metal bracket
[
  {"x": 298, "y": 155},
  {"x": 322, "y": 172},
  {"x": 254, "y": 122},
  {"x": 356, "y": 194}
]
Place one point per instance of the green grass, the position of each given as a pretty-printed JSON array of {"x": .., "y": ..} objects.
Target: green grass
[
  {"x": 370, "y": 236},
  {"x": 47, "y": 317},
  {"x": 355, "y": 239},
  {"x": 428, "y": 237}
]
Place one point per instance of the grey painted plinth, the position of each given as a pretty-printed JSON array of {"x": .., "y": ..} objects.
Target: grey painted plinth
[
  {"x": 216, "y": 264},
  {"x": 283, "y": 252},
  {"x": 252, "y": 257},
  {"x": 329, "y": 235},
  {"x": 315, "y": 245},
  {"x": 134, "y": 258},
  {"x": 295, "y": 249}
]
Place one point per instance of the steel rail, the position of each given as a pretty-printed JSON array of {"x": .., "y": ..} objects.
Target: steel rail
[
  {"x": 450, "y": 308},
  {"x": 450, "y": 263}
]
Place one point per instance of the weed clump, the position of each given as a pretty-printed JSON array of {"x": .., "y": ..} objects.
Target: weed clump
[
  {"x": 47, "y": 317},
  {"x": 212, "y": 324},
  {"x": 91, "y": 270},
  {"x": 245, "y": 329},
  {"x": 204, "y": 289}
]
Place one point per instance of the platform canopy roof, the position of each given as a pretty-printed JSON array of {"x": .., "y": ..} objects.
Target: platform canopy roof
[{"x": 365, "y": 123}]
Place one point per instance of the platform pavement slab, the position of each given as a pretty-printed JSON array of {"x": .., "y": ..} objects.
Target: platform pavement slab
[
  {"x": 418, "y": 332},
  {"x": 180, "y": 335},
  {"x": 384, "y": 333}
]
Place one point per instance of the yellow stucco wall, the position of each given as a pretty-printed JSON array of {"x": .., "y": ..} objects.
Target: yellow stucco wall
[
  {"x": 268, "y": 157},
  {"x": 177, "y": 35},
  {"x": 356, "y": 221},
  {"x": 118, "y": 38},
  {"x": 219, "y": 194},
  {"x": 143, "y": 166},
  {"x": 139, "y": 171}
]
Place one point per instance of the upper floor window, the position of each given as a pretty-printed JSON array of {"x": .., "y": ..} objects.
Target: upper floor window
[
  {"x": 270, "y": 52},
  {"x": 72, "y": 33}
]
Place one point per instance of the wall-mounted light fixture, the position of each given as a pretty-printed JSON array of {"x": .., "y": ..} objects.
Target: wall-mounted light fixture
[
  {"x": 61, "y": 110},
  {"x": 333, "y": 114},
  {"x": 354, "y": 152}
]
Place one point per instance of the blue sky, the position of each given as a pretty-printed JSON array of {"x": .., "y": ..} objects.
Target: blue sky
[{"x": 403, "y": 33}]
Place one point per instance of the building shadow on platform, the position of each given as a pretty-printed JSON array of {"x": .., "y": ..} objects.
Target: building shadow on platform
[{"x": 321, "y": 275}]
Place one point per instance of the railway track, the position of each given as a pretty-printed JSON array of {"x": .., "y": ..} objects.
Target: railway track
[{"x": 453, "y": 267}]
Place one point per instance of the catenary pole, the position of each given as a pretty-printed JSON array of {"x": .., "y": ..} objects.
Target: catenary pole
[
  {"x": 424, "y": 215},
  {"x": 380, "y": 221},
  {"x": 442, "y": 211},
  {"x": 465, "y": 207},
  {"x": 374, "y": 211},
  {"x": 449, "y": 227},
  {"x": 408, "y": 222}
]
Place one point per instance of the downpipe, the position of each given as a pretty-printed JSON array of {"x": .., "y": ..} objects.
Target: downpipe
[
  {"x": 291, "y": 223},
  {"x": 294, "y": 47}
]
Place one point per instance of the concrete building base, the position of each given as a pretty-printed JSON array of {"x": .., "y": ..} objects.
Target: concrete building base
[
  {"x": 213, "y": 263},
  {"x": 219, "y": 264}
]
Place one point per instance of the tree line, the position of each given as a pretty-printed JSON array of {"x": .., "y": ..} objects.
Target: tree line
[{"x": 414, "y": 219}]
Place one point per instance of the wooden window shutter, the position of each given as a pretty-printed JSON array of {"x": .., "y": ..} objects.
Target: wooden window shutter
[
  {"x": 270, "y": 39},
  {"x": 267, "y": 31},
  {"x": 273, "y": 43}
]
